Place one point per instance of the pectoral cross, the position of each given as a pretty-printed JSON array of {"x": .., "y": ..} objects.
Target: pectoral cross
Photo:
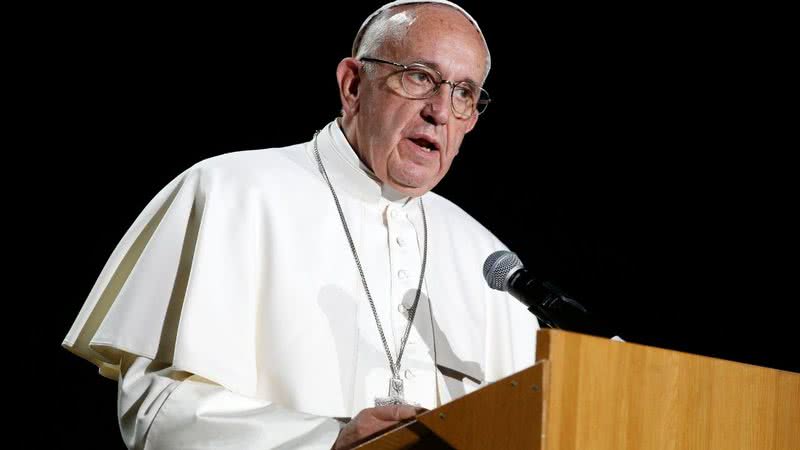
[{"x": 395, "y": 394}]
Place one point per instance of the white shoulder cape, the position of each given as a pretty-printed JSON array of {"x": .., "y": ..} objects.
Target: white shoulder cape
[{"x": 228, "y": 270}]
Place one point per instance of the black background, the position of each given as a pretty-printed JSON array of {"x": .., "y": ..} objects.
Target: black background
[{"x": 636, "y": 156}]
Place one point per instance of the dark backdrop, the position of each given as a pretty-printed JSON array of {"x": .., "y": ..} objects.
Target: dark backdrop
[{"x": 631, "y": 155}]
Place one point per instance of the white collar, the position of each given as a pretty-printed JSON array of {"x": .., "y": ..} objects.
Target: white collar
[{"x": 347, "y": 172}]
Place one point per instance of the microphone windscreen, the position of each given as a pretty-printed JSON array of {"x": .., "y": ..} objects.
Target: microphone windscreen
[{"x": 498, "y": 267}]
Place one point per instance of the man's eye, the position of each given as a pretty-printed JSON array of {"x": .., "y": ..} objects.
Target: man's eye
[
  {"x": 464, "y": 93},
  {"x": 419, "y": 77}
]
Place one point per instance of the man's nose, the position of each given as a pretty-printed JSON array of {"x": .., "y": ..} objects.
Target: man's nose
[{"x": 437, "y": 108}]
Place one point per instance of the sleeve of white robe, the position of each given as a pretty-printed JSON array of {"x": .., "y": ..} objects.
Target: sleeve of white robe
[{"x": 162, "y": 408}]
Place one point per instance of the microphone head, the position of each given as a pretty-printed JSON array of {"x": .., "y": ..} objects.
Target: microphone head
[{"x": 499, "y": 267}]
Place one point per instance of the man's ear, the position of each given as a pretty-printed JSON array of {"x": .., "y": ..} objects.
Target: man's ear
[
  {"x": 471, "y": 122},
  {"x": 349, "y": 79}
]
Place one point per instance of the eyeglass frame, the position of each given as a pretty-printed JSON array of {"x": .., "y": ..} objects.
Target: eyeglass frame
[{"x": 438, "y": 85}]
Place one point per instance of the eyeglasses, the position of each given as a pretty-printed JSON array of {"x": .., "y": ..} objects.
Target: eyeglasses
[{"x": 420, "y": 81}]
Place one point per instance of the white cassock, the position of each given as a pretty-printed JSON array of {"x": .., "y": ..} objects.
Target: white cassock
[{"x": 233, "y": 315}]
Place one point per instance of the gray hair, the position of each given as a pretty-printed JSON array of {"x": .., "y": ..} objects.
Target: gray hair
[{"x": 390, "y": 26}]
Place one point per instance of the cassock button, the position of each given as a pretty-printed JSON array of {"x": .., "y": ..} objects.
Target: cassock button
[
  {"x": 402, "y": 274},
  {"x": 401, "y": 308},
  {"x": 400, "y": 241},
  {"x": 408, "y": 374}
]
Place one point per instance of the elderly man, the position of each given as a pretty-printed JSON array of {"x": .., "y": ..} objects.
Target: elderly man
[{"x": 314, "y": 295}]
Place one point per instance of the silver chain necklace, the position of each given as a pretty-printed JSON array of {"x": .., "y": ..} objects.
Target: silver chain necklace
[{"x": 396, "y": 383}]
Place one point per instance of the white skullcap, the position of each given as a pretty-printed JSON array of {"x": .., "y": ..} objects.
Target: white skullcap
[{"x": 360, "y": 34}]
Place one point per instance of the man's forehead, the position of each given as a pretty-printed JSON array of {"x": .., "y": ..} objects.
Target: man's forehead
[{"x": 443, "y": 52}]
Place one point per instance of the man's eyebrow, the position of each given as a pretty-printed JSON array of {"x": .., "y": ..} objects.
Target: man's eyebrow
[{"x": 436, "y": 66}]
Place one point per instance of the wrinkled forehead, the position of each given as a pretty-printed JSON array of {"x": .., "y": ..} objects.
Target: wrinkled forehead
[{"x": 368, "y": 21}]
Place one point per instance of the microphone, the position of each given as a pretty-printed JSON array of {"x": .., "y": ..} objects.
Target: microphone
[{"x": 504, "y": 271}]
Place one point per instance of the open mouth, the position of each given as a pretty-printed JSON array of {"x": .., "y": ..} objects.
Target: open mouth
[{"x": 425, "y": 144}]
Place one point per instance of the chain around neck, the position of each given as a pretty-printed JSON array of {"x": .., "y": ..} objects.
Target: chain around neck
[{"x": 394, "y": 366}]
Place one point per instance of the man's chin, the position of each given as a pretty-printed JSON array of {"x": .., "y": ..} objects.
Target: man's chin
[{"x": 409, "y": 189}]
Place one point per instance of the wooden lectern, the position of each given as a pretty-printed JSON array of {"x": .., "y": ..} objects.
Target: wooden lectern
[{"x": 587, "y": 393}]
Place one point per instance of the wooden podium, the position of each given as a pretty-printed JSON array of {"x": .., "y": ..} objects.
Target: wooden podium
[{"x": 587, "y": 393}]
